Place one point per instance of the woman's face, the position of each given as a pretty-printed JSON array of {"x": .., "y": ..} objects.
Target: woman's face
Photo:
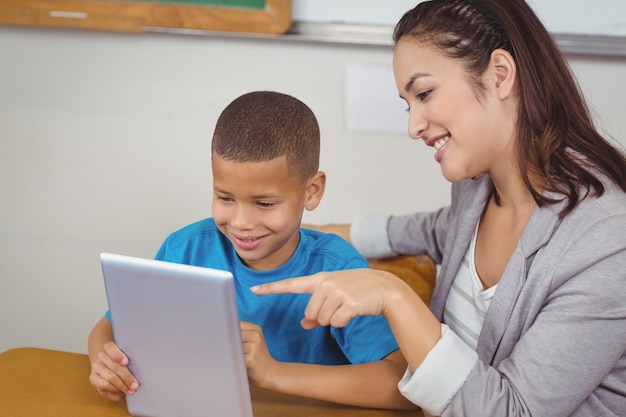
[{"x": 469, "y": 133}]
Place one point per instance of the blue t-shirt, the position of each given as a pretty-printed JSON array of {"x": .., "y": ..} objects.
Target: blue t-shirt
[{"x": 364, "y": 339}]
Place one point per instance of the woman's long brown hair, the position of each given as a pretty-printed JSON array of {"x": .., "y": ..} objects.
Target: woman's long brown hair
[{"x": 557, "y": 141}]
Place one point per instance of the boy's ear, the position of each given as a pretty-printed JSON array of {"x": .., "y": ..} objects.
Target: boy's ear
[
  {"x": 315, "y": 186},
  {"x": 505, "y": 72}
]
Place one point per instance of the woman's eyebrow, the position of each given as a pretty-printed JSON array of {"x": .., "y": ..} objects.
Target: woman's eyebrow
[{"x": 412, "y": 80}]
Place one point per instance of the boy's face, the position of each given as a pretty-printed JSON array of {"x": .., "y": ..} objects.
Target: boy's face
[{"x": 258, "y": 206}]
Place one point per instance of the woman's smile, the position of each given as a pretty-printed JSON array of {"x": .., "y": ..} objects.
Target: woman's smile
[{"x": 440, "y": 145}]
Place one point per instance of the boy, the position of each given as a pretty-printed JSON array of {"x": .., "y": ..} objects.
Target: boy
[{"x": 265, "y": 156}]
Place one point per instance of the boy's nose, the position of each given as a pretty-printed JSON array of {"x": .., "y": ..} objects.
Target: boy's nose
[{"x": 243, "y": 219}]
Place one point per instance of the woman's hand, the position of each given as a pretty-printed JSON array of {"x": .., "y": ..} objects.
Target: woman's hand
[{"x": 339, "y": 296}]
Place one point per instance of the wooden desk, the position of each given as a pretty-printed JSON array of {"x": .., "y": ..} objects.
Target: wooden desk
[{"x": 41, "y": 383}]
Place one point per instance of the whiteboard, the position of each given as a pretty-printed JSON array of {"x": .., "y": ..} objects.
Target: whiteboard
[{"x": 602, "y": 17}]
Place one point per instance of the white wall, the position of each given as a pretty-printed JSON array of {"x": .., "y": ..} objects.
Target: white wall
[{"x": 104, "y": 146}]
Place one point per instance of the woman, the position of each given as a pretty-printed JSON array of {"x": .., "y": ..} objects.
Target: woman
[{"x": 528, "y": 315}]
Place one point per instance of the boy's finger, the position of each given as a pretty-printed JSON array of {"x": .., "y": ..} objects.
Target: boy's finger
[{"x": 115, "y": 353}]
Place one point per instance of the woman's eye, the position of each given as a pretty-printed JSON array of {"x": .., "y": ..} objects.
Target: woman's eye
[
  {"x": 408, "y": 106},
  {"x": 423, "y": 95}
]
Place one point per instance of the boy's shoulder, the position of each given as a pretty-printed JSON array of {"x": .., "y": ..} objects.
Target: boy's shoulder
[
  {"x": 199, "y": 230},
  {"x": 330, "y": 246},
  {"x": 198, "y": 227},
  {"x": 198, "y": 243},
  {"x": 325, "y": 239}
]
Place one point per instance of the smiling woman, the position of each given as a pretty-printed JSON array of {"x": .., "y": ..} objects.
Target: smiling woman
[
  {"x": 247, "y": 16},
  {"x": 528, "y": 250}
]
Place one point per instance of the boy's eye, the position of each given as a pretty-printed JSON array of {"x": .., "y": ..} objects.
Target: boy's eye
[
  {"x": 265, "y": 204},
  {"x": 222, "y": 198}
]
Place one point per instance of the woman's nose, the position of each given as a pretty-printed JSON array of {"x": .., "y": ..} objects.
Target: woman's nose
[{"x": 417, "y": 124}]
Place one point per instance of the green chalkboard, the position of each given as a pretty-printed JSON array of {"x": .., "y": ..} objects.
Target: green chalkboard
[
  {"x": 246, "y": 16},
  {"x": 246, "y": 4}
]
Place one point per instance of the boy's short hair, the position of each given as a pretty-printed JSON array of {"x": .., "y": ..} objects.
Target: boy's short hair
[{"x": 264, "y": 125}]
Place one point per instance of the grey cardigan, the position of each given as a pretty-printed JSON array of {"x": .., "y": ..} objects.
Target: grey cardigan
[{"x": 554, "y": 338}]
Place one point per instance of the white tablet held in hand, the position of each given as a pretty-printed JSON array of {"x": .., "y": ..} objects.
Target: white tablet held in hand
[{"x": 179, "y": 326}]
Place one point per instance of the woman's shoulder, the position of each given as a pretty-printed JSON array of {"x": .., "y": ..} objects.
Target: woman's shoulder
[
  {"x": 595, "y": 228},
  {"x": 613, "y": 200},
  {"x": 608, "y": 207}
]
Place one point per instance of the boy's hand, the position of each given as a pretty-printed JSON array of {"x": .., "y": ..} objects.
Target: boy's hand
[
  {"x": 110, "y": 374},
  {"x": 259, "y": 362}
]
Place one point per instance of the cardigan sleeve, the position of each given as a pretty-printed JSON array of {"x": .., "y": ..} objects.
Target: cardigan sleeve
[{"x": 442, "y": 373}]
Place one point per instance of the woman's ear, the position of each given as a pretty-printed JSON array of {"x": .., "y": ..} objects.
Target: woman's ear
[
  {"x": 504, "y": 72},
  {"x": 314, "y": 190}
]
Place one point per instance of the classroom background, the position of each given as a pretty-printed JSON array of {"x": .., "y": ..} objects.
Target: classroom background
[{"x": 105, "y": 147}]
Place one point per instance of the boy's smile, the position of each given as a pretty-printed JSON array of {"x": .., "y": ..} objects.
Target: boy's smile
[
  {"x": 247, "y": 242},
  {"x": 258, "y": 206}
]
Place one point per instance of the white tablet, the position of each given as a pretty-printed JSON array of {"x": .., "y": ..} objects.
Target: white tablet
[{"x": 179, "y": 326}]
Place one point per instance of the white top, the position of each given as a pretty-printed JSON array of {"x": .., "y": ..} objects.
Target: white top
[{"x": 467, "y": 302}]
